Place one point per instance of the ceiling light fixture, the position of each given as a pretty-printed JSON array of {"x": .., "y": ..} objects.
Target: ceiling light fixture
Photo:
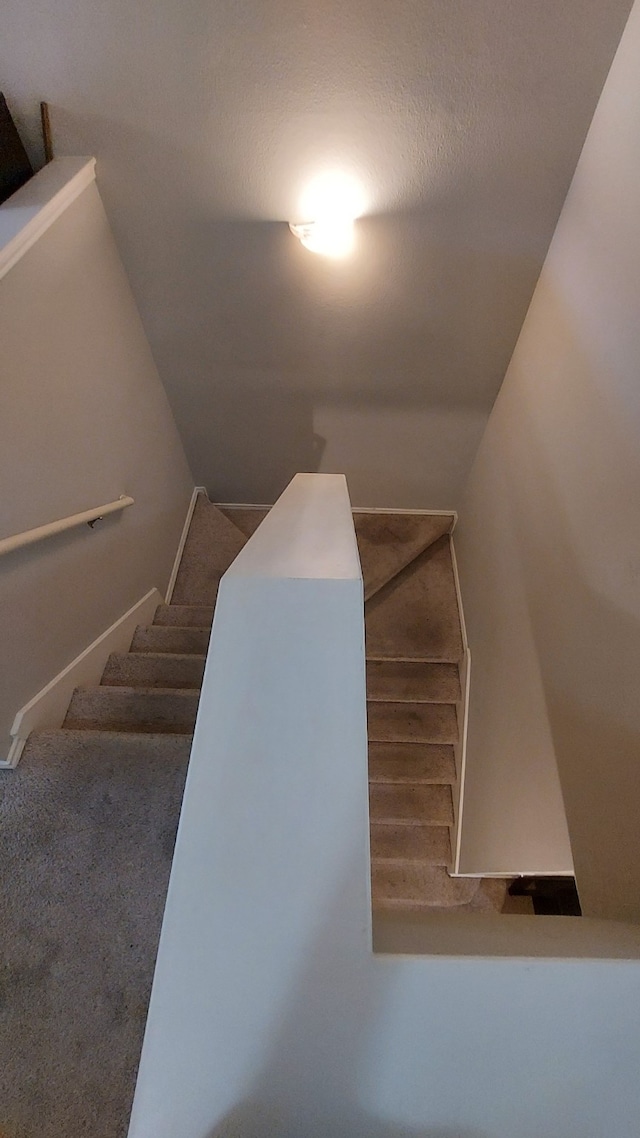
[
  {"x": 330, "y": 236},
  {"x": 334, "y": 201}
]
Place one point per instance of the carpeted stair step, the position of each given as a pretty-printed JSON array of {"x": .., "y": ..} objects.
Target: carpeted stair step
[
  {"x": 118, "y": 747},
  {"x": 186, "y": 616},
  {"x": 410, "y": 804},
  {"x": 388, "y": 542},
  {"x": 133, "y": 709},
  {"x": 491, "y": 894},
  {"x": 170, "y": 638},
  {"x": 411, "y": 762},
  {"x": 428, "y": 844},
  {"x": 417, "y": 885},
  {"x": 415, "y": 616},
  {"x": 246, "y": 518},
  {"x": 153, "y": 670},
  {"x": 412, "y": 722},
  {"x": 489, "y": 898},
  {"x": 412, "y": 681},
  {"x": 212, "y": 544}
]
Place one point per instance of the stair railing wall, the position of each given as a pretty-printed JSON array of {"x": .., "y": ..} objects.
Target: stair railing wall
[{"x": 270, "y": 877}]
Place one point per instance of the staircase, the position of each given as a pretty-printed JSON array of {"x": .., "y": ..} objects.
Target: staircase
[
  {"x": 154, "y": 688},
  {"x": 414, "y": 650},
  {"x": 88, "y": 819}
]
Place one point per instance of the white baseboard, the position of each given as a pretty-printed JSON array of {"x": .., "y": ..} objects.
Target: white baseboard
[
  {"x": 422, "y": 513},
  {"x": 462, "y": 713},
  {"x": 509, "y": 874},
  {"x": 355, "y": 510},
  {"x": 460, "y": 757},
  {"x": 243, "y": 505},
  {"x": 197, "y": 490},
  {"x": 48, "y": 708}
]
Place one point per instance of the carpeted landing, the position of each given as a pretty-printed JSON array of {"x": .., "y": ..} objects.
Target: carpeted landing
[{"x": 87, "y": 825}]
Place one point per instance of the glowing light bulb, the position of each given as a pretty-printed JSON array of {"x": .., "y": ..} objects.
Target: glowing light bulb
[
  {"x": 330, "y": 236},
  {"x": 334, "y": 201}
]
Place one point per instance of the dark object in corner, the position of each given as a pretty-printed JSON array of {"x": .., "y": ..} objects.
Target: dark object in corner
[
  {"x": 551, "y": 896},
  {"x": 15, "y": 167}
]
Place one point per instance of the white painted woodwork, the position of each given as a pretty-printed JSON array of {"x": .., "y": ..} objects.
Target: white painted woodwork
[
  {"x": 28, "y": 213},
  {"x": 72, "y": 521},
  {"x": 183, "y": 541}
]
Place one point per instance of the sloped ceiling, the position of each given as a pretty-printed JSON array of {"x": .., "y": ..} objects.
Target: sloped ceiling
[{"x": 461, "y": 120}]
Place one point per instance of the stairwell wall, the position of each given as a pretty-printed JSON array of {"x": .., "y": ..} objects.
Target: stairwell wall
[
  {"x": 549, "y": 542},
  {"x": 84, "y": 419}
]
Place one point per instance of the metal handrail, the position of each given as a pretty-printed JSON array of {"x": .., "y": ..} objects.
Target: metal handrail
[{"x": 89, "y": 517}]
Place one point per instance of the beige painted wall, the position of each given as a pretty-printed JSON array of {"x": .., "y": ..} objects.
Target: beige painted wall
[
  {"x": 84, "y": 418},
  {"x": 549, "y": 538}
]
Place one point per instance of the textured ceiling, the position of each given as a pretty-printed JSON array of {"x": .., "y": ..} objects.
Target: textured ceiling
[{"x": 462, "y": 121}]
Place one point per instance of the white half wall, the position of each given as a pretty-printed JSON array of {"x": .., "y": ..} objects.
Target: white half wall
[
  {"x": 84, "y": 419},
  {"x": 549, "y": 544}
]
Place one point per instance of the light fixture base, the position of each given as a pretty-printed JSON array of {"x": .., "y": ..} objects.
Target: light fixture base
[{"x": 330, "y": 236}]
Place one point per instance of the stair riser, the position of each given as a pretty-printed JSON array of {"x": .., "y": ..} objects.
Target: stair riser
[
  {"x": 125, "y": 709},
  {"x": 412, "y": 762},
  {"x": 411, "y": 805},
  {"x": 185, "y": 616},
  {"x": 408, "y": 682},
  {"x": 427, "y": 844},
  {"x": 145, "y": 670},
  {"x": 411, "y": 886},
  {"x": 119, "y": 748},
  {"x": 400, "y": 771},
  {"x": 412, "y": 723},
  {"x": 178, "y": 641}
]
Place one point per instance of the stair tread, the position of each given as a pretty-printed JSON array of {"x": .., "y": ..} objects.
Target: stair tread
[
  {"x": 415, "y": 616},
  {"x": 412, "y": 722},
  {"x": 411, "y": 804},
  {"x": 411, "y": 762},
  {"x": 412, "y": 681},
  {"x": 388, "y": 542},
  {"x": 429, "y": 844}
]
